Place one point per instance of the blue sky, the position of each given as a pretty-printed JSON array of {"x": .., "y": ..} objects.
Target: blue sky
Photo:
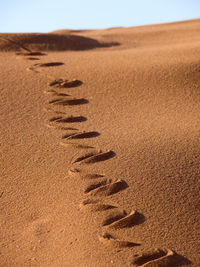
[{"x": 49, "y": 15}]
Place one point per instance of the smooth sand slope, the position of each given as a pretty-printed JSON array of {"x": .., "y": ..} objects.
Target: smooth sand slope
[{"x": 100, "y": 147}]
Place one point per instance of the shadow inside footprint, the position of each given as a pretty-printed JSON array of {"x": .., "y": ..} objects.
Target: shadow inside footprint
[
  {"x": 68, "y": 102},
  {"x": 71, "y": 119},
  {"x": 71, "y": 84},
  {"x": 161, "y": 258},
  {"x": 180, "y": 260},
  {"x": 139, "y": 218},
  {"x": 31, "y": 53},
  {"x": 49, "y": 64},
  {"x": 101, "y": 157},
  {"x": 32, "y": 58},
  {"x": 82, "y": 135}
]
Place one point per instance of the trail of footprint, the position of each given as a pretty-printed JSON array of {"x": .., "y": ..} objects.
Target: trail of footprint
[
  {"x": 96, "y": 205},
  {"x": 109, "y": 240},
  {"x": 158, "y": 257},
  {"x": 104, "y": 187},
  {"x": 133, "y": 218}
]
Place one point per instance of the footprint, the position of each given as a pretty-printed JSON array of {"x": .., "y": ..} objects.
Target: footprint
[
  {"x": 97, "y": 184},
  {"x": 86, "y": 156},
  {"x": 71, "y": 119},
  {"x": 68, "y": 102},
  {"x": 56, "y": 82},
  {"x": 109, "y": 189},
  {"x": 81, "y": 135},
  {"x": 63, "y": 128},
  {"x": 96, "y": 205},
  {"x": 32, "y": 69},
  {"x": 62, "y": 83},
  {"x": 32, "y": 58},
  {"x": 48, "y": 64},
  {"x": 97, "y": 157},
  {"x": 48, "y": 109},
  {"x": 68, "y": 135},
  {"x": 73, "y": 145},
  {"x": 53, "y": 92},
  {"x": 76, "y": 173},
  {"x": 31, "y": 53},
  {"x": 114, "y": 216},
  {"x": 133, "y": 218},
  {"x": 108, "y": 240},
  {"x": 158, "y": 257}
]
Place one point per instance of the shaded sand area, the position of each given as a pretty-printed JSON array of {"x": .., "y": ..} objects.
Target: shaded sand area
[{"x": 100, "y": 147}]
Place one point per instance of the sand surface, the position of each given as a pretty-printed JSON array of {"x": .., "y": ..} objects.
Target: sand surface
[{"x": 100, "y": 147}]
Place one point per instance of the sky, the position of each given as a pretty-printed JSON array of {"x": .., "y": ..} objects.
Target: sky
[{"x": 49, "y": 15}]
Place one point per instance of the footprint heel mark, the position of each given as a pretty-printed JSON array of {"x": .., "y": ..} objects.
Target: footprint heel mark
[
  {"x": 82, "y": 135},
  {"x": 109, "y": 240},
  {"x": 78, "y": 174},
  {"x": 96, "y": 205},
  {"x": 158, "y": 257},
  {"x": 71, "y": 119},
  {"x": 109, "y": 189},
  {"x": 133, "y": 218},
  {"x": 63, "y": 83},
  {"x": 68, "y": 102}
]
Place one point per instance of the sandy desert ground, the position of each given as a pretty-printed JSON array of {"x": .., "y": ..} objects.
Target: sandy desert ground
[{"x": 100, "y": 147}]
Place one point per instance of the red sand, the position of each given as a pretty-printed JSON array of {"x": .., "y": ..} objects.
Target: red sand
[{"x": 102, "y": 170}]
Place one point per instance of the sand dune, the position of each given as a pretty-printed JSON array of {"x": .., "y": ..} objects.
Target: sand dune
[
  {"x": 100, "y": 147},
  {"x": 49, "y": 42}
]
